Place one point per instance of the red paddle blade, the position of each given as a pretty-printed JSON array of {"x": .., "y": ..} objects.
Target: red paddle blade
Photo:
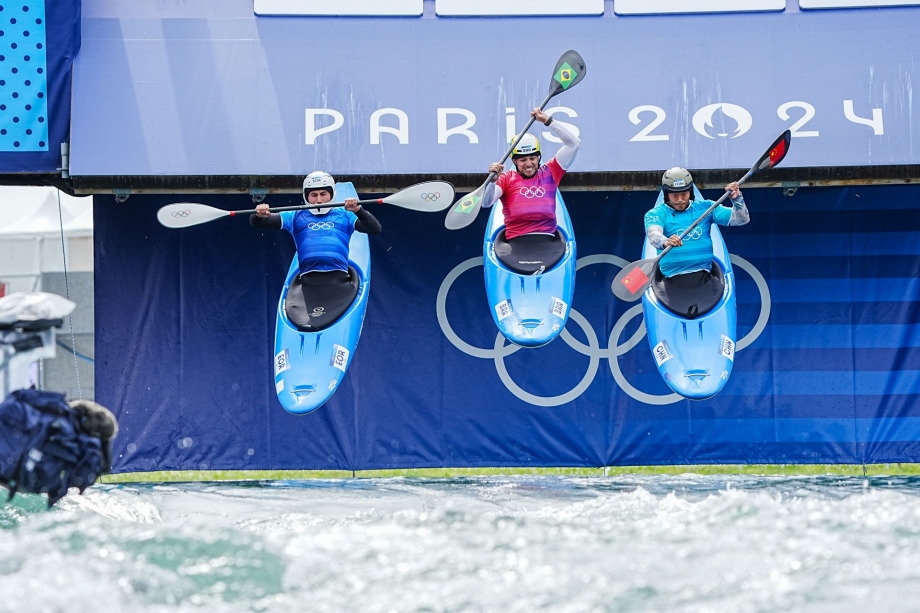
[
  {"x": 775, "y": 153},
  {"x": 635, "y": 280},
  {"x": 631, "y": 282}
]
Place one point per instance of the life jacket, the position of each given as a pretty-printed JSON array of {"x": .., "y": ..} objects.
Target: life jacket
[{"x": 42, "y": 447}]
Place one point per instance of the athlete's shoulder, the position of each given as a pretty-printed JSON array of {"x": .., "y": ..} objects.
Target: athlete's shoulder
[
  {"x": 701, "y": 205},
  {"x": 655, "y": 215},
  {"x": 287, "y": 218}
]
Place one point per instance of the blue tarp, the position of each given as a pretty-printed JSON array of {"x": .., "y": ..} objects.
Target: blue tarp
[
  {"x": 38, "y": 43},
  {"x": 184, "y": 337}
]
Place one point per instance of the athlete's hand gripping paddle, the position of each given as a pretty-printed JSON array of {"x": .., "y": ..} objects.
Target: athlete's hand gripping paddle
[
  {"x": 635, "y": 278},
  {"x": 570, "y": 69},
  {"x": 427, "y": 197}
]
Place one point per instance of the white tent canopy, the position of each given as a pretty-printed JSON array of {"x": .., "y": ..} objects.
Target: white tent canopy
[
  {"x": 33, "y": 211},
  {"x": 30, "y": 235}
]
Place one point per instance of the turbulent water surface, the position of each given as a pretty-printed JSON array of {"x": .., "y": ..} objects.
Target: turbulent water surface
[{"x": 682, "y": 543}]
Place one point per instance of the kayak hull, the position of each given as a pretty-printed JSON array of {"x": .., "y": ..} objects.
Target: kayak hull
[
  {"x": 309, "y": 366},
  {"x": 529, "y": 310},
  {"x": 694, "y": 356}
]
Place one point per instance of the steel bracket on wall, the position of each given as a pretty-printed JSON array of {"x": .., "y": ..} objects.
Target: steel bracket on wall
[{"x": 258, "y": 194}]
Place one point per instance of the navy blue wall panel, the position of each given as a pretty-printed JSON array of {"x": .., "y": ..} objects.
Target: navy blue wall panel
[{"x": 184, "y": 322}]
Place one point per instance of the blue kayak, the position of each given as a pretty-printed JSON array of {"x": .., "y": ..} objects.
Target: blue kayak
[
  {"x": 530, "y": 283},
  {"x": 309, "y": 366},
  {"x": 694, "y": 355}
]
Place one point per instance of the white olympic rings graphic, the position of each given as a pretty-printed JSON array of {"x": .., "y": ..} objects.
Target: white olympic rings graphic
[
  {"x": 182, "y": 213},
  {"x": 321, "y": 225},
  {"x": 696, "y": 234},
  {"x": 593, "y": 350},
  {"x": 532, "y": 192},
  {"x": 431, "y": 197}
]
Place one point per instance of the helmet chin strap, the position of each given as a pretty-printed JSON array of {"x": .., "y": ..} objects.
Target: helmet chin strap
[{"x": 322, "y": 211}]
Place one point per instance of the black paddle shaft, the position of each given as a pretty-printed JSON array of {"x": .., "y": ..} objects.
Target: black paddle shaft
[
  {"x": 517, "y": 138},
  {"x": 307, "y": 207}
]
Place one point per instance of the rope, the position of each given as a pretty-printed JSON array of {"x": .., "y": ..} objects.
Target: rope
[
  {"x": 73, "y": 340},
  {"x": 70, "y": 349}
]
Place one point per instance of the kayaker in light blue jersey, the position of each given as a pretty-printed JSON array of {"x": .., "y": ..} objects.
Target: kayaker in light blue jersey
[{"x": 665, "y": 222}]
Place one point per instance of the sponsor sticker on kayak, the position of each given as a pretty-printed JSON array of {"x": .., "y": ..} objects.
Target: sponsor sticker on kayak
[
  {"x": 727, "y": 348},
  {"x": 662, "y": 353},
  {"x": 339, "y": 357},
  {"x": 559, "y": 308},
  {"x": 503, "y": 309},
  {"x": 282, "y": 362}
]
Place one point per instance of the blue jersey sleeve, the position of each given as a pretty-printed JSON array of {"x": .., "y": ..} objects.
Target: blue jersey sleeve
[
  {"x": 287, "y": 220},
  {"x": 722, "y": 215},
  {"x": 352, "y": 218}
]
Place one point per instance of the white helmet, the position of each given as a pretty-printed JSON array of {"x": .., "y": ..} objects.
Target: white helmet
[
  {"x": 528, "y": 145},
  {"x": 318, "y": 179}
]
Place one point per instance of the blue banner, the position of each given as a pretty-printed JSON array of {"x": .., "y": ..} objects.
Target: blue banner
[
  {"x": 186, "y": 90},
  {"x": 827, "y": 366},
  {"x": 38, "y": 43}
]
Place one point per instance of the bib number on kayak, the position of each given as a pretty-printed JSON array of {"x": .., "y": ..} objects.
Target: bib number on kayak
[
  {"x": 282, "y": 362},
  {"x": 339, "y": 357},
  {"x": 503, "y": 309},
  {"x": 727, "y": 348},
  {"x": 662, "y": 353},
  {"x": 559, "y": 308}
]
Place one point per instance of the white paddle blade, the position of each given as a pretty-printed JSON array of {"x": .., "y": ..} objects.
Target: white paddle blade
[
  {"x": 428, "y": 197},
  {"x": 185, "y": 214},
  {"x": 633, "y": 280}
]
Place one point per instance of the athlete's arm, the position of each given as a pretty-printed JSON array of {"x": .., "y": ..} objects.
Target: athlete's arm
[
  {"x": 656, "y": 236},
  {"x": 270, "y": 222},
  {"x": 366, "y": 222},
  {"x": 493, "y": 192},
  {"x": 740, "y": 215},
  {"x": 570, "y": 143}
]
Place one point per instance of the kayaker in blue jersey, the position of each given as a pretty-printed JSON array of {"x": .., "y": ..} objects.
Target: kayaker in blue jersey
[
  {"x": 322, "y": 236},
  {"x": 689, "y": 264}
]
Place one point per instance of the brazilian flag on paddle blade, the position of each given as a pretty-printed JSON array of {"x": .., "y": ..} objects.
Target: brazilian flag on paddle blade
[
  {"x": 565, "y": 75},
  {"x": 466, "y": 205}
]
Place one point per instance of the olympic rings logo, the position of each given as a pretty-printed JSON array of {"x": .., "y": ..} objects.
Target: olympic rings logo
[
  {"x": 593, "y": 350},
  {"x": 431, "y": 197},
  {"x": 182, "y": 213},
  {"x": 696, "y": 234},
  {"x": 532, "y": 192},
  {"x": 321, "y": 225}
]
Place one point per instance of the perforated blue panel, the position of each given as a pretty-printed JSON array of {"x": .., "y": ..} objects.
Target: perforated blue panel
[{"x": 23, "y": 76}]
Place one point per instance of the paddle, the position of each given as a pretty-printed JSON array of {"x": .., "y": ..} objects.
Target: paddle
[
  {"x": 635, "y": 278},
  {"x": 570, "y": 69},
  {"x": 427, "y": 197}
]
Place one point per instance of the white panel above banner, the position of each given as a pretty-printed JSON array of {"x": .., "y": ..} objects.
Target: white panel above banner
[
  {"x": 171, "y": 94},
  {"x": 850, "y": 4},
  {"x": 671, "y": 7},
  {"x": 339, "y": 8},
  {"x": 472, "y": 8}
]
